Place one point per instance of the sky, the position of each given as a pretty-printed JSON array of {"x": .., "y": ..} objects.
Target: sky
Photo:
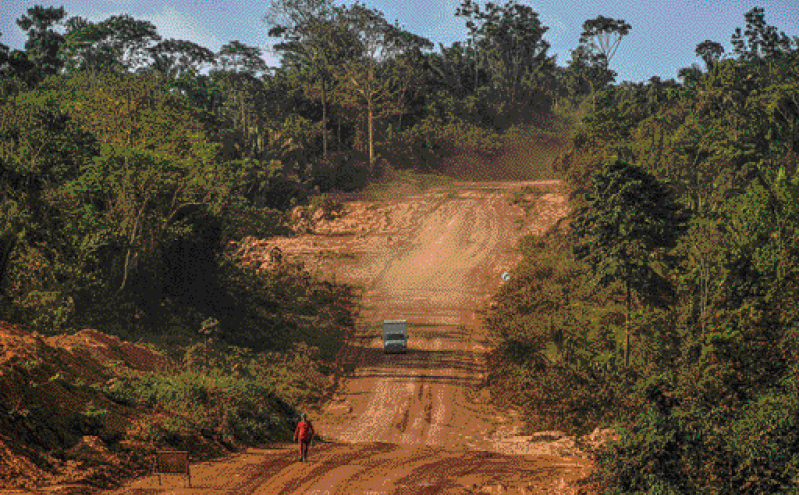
[{"x": 662, "y": 40}]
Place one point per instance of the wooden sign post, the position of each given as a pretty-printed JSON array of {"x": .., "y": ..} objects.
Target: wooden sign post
[{"x": 171, "y": 462}]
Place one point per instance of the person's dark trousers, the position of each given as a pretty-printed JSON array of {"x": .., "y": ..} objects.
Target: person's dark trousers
[{"x": 304, "y": 443}]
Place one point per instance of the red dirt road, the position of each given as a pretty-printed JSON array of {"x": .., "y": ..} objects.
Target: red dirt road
[{"x": 418, "y": 422}]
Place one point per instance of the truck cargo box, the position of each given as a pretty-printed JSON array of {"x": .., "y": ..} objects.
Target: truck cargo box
[{"x": 395, "y": 336}]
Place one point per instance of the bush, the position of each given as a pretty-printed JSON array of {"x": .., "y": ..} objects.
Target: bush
[
  {"x": 90, "y": 421},
  {"x": 213, "y": 400},
  {"x": 426, "y": 146},
  {"x": 328, "y": 204},
  {"x": 341, "y": 171}
]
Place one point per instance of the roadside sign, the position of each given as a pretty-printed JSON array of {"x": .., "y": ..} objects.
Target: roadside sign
[
  {"x": 171, "y": 462},
  {"x": 505, "y": 276}
]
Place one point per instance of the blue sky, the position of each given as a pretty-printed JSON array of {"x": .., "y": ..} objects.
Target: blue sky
[{"x": 662, "y": 40}]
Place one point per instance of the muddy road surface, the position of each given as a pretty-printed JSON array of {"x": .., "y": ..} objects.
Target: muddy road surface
[{"x": 418, "y": 422}]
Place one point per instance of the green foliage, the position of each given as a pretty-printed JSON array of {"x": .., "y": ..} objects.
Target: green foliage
[
  {"x": 43, "y": 42},
  {"x": 119, "y": 43},
  {"x": 227, "y": 393},
  {"x": 708, "y": 401},
  {"x": 629, "y": 221},
  {"x": 559, "y": 357},
  {"x": 90, "y": 421},
  {"x": 8, "y": 240},
  {"x": 125, "y": 172},
  {"x": 761, "y": 39},
  {"x": 508, "y": 44},
  {"x": 427, "y": 145},
  {"x": 605, "y": 34},
  {"x": 340, "y": 172},
  {"x": 273, "y": 310}
]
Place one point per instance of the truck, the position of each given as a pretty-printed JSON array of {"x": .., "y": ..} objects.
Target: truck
[{"x": 395, "y": 336}]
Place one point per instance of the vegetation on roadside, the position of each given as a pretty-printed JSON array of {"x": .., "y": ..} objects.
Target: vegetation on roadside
[{"x": 668, "y": 308}]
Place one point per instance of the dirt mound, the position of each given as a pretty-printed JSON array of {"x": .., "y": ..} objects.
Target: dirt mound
[
  {"x": 51, "y": 402},
  {"x": 106, "y": 349}
]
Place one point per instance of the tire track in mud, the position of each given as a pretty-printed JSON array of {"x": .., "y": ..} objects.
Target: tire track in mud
[
  {"x": 418, "y": 400},
  {"x": 430, "y": 283},
  {"x": 333, "y": 462}
]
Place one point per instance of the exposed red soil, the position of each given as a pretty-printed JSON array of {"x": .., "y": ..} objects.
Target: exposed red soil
[{"x": 42, "y": 382}]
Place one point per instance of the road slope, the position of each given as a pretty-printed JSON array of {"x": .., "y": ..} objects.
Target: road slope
[{"x": 416, "y": 423}]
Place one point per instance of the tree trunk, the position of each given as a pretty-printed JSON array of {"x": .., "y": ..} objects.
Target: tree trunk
[
  {"x": 324, "y": 121},
  {"x": 627, "y": 330},
  {"x": 371, "y": 138},
  {"x": 131, "y": 256}
]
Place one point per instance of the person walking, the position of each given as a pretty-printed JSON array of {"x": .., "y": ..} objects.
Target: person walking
[{"x": 304, "y": 433}]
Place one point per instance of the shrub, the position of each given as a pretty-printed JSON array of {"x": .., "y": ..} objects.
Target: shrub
[{"x": 328, "y": 204}]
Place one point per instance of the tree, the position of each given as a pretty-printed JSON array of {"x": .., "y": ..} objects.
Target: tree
[
  {"x": 239, "y": 58},
  {"x": 604, "y": 34},
  {"x": 15, "y": 66},
  {"x": 630, "y": 221},
  {"x": 314, "y": 42},
  {"x": 454, "y": 70},
  {"x": 709, "y": 52},
  {"x": 238, "y": 67},
  {"x": 174, "y": 58},
  {"x": 119, "y": 43},
  {"x": 43, "y": 42},
  {"x": 368, "y": 81},
  {"x": 759, "y": 40},
  {"x": 507, "y": 41},
  {"x": 4, "y": 55},
  {"x": 8, "y": 240},
  {"x": 587, "y": 71}
]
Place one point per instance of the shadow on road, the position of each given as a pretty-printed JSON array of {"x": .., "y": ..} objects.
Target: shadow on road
[{"x": 417, "y": 363}]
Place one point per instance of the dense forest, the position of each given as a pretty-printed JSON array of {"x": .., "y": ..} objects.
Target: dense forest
[
  {"x": 131, "y": 165},
  {"x": 668, "y": 307}
]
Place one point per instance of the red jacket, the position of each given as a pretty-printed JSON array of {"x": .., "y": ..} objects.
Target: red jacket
[{"x": 304, "y": 430}]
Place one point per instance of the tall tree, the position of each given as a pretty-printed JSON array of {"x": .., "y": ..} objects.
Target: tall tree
[
  {"x": 631, "y": 220},
  {"x": 174, "y": 58},
  {"x": 587, "y": 71},
  {"x": 454, "y": 70},
  {"x": 314, "y": 40},
  {"x": 368, "y": 81},
  {"x": 709, "y": 52},
  {"x": 119, "y": 43},
  {"x": 240, "y": 58},
  {"x": 14, "y": 67},
  {"x": 238, "y": 67},
  {"x": 44, "y": 42},
  {"x": 507, "y": 40},
  {"x": 759, "y": 40},
  {"x": 604, "y": 34}
]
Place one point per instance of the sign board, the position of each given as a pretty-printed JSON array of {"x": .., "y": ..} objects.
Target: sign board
[
  {"x": 171, "y": 462},
  {"x": 505, "y": 276}
]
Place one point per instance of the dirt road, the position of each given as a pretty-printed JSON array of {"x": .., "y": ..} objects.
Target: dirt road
[{"x": 418, "y": 422}]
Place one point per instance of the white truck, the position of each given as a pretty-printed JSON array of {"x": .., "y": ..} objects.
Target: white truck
[{"x": 395, "y": 336}]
